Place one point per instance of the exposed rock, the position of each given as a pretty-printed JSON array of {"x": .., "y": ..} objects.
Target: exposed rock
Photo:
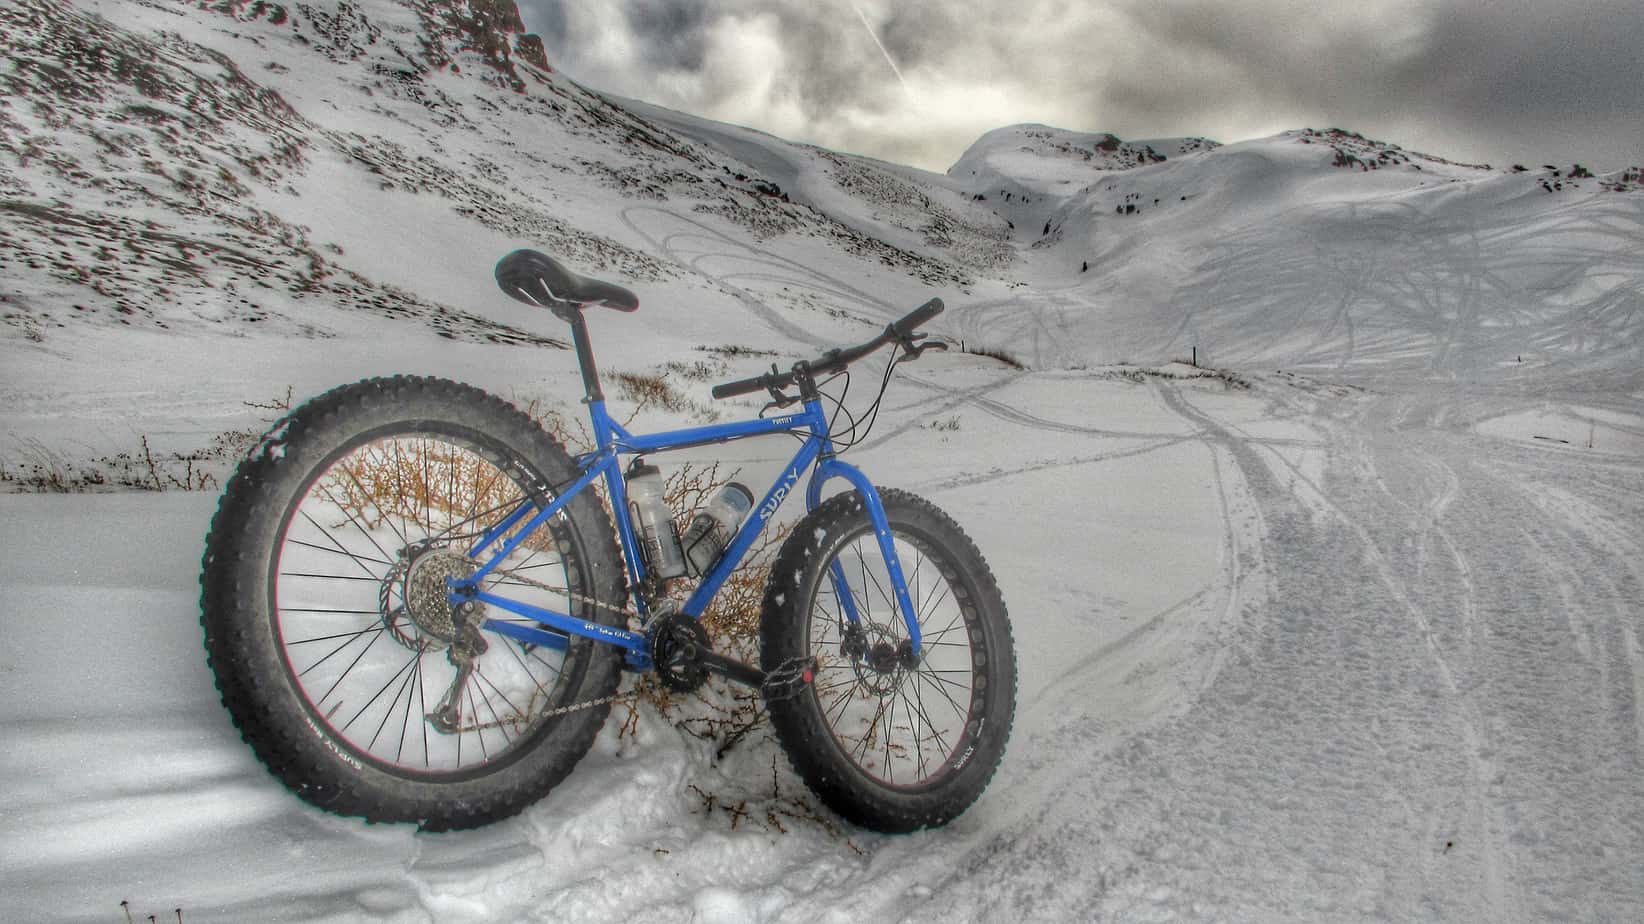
[{"x": 529, "y": 48}]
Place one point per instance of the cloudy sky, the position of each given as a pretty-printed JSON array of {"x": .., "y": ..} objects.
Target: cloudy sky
[{"x": 1494, "y": 81}]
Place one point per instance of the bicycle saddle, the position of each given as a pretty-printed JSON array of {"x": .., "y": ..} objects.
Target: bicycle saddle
[{"x": 538, "y": 279}]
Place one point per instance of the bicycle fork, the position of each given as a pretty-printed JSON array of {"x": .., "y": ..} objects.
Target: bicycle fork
[{"x": 830, "y": 467}]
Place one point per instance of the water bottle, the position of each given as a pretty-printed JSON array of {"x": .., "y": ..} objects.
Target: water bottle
[
  {"x": 657, "y": 535},
  {"x": 712, "y": 528}
]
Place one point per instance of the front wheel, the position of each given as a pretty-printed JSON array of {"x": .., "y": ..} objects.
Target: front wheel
[{"x": 890, "y": 739}]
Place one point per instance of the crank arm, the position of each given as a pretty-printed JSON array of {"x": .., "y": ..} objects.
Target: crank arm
[
  {"x": 730, "y": 669},
  {"x": 782, "y": 684}
]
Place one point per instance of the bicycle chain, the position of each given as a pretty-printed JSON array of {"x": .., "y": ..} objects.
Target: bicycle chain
[{"x": 785, "y": 682}]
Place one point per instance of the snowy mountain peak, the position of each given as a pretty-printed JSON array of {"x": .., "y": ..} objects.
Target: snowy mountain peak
[
  {"x": 1027, "y": 149},
  {"x": 1353, "y": 150},
  {"x": 318, "y": 169},
  {"x": 168, "y": 165}
]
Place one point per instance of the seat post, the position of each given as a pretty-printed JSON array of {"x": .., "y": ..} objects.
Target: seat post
[{"x": 585, "y": 358}]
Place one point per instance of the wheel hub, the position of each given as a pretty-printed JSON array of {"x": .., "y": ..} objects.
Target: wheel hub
[
  {"x": 879, "y": 658},
  {"x": 882, "y": 657}
]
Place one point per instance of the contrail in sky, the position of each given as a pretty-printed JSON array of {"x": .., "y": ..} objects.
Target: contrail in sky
[{"x": 894, "y": 69}]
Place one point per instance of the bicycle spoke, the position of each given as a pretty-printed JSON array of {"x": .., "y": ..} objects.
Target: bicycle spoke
[
  {"x": 497, "y": 721},
  {"x": 373, "y": 579},
  {"x": 525, "y": 563},
  {"x": 849, "y": 680},
  {"x": 422, "y": 710},
  {"x": 518, "y": 716},
  {"x": 890, "y": 729},
  {"x": 873, "y": 730},
  {"x": 371, "y": 516},
  {"x": 950, "y": 627},
  {"x": 918, "y": 706},
  {"x": 357, "y": 524},
  {"x": 414, "y": 681},
  {"x": 327, "y": 638},
  {"x": 370, "y": 497},
  {"x": 861, "y": 560},
  {"x": 533, "y": 654},
  {"x": 941, "y": 687},
  {"x": 450, "y": 534},
  {"x": 841, "y": 702},
  {"x": 946, "y": 590},
  {"x": 888, "y": 598},
  {"x": 346, "y": 671},
  {"x": 404, "y": 669},
  {"x": 399, "y": 485},
  {"x": 340, "y": 549},
  {"x": 423, "y": 454},
  {"x": 485, "y": 753},
  {"x": 351, "y": 640},
  {"x": 513, "y": 649},
  {"x": 913, "y": 582}
]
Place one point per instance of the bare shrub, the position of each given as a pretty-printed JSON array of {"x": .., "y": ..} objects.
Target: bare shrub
[{"x": 1003, "y": 356}]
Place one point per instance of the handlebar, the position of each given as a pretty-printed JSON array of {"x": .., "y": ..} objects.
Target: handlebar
[
  {"x": 902, "y": 331},
  {"x": 918, "y": 317},
  {"x": 746, "y": 386}
]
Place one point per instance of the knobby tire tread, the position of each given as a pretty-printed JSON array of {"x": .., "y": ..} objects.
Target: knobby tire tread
[
  {"x": 801, "y": 728},
  {"x": 236, "y": 620}
]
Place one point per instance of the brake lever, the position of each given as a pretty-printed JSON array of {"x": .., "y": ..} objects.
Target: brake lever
[
  {"x": 779, "y": 398},
  {"x": 912, "y": 350}
]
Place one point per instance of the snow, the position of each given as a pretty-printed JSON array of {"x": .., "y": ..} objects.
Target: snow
[{"x": 1351, "y": 632}]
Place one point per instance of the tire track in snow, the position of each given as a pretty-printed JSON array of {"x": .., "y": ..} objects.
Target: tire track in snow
[
  {"x": 1320, "y": 638},
  {"x": 696, "y": 262},
  {"x": 989, "y": 477}
]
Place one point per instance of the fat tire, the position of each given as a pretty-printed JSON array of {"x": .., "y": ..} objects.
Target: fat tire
[
  {"x": 238, "y": 617},
  {"x": 802, "y": 727}
]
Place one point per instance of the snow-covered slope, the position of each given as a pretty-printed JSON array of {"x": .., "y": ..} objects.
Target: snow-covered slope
[
  {"x": 912, "y": 208},
  {"x": 240, "y": 175},
  {"x": 1354, "y": 639},
  {"x": 1311, "y": 249}
]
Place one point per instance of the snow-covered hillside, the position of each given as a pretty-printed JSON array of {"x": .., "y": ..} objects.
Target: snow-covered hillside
[
  {"x": 1369, "y": 255},
  {"x": 1345, "y": 628}
]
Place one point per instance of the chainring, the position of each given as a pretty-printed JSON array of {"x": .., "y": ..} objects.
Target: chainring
[{"x": 678, "y": 643}]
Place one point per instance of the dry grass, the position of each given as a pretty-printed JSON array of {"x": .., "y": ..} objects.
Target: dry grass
[
  {"x": 432, "y": 483},
  {"x": 1003, "y": 356},
  {"x": 427, "y": 480},
  {"x": 39, "y": 468}
]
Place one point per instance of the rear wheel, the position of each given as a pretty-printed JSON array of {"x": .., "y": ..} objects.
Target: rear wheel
[
  {"x": 336, "y": 649},
  {"x": 891, "y": 739}
]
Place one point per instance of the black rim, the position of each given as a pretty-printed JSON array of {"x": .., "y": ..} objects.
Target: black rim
[{"x": 356, "y": 607}]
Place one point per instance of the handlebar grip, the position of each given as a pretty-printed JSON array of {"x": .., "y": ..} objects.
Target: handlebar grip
[
  {"x": 918, "y": 316},
  {"x": 740, "y": 387}
]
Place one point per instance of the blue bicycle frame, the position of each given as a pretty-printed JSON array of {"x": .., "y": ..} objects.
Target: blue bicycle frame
[{"x": 815, "y": 454}]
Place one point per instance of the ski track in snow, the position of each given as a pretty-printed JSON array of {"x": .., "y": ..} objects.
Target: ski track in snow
[
  {"x": 1395, "y": 670},
  {"x": 1352, "y": 684}
]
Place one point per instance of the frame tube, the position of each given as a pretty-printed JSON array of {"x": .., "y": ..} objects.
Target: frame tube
[{"x": 614, "y": 440}]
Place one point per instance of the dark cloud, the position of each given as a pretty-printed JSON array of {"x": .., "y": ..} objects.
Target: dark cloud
[
  {"x": 1486, "y": 80},
  {"x": 547, "y": 19},
  {"x": 1553, "y": 83},
  {"x": 672, "y": 30}
]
